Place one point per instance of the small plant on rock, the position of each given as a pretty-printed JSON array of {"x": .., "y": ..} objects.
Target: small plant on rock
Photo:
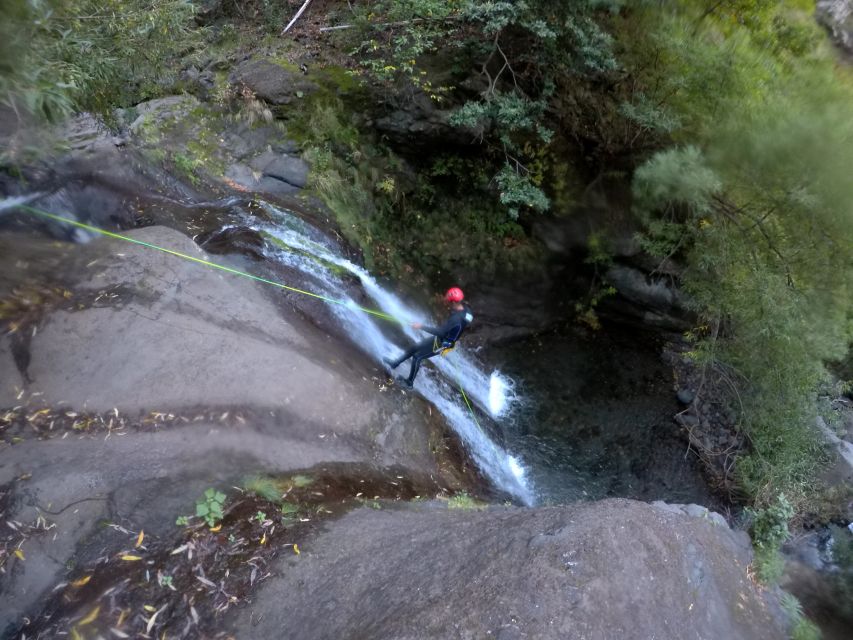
[
  {"x": 210, "y": 507},
  {"x": 769, "y": 532}
]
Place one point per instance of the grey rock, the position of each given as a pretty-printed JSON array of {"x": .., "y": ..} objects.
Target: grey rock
[
  {"x": 274, "y": 186},
  {"x": 245, "y": 141},
  {"x": 289, "y": 169},
  {"x": 162, "y": 109},
  {"x": 685, "y": 396},
  {"x": 257, "y": 182},
  {"x": 837, "y": 17},
  {"x": 198, "y": 83},
  {"x": 88, "y": 133},
  {"x": 646, "y": 574},
  {"x": 220, "y": 340},
  {"x": 282, "y": 167},
  {"x": 271, "y": 82},
  {"x": 635, "y": 285},
  {"x": 418, "y": 121},
  {"x": 259, "y": 163}
]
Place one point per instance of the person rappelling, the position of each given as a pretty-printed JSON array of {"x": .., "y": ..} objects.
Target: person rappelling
[{"x": 444, "y": 337}]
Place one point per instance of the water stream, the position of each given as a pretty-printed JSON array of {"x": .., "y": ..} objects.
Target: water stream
[
  {"x": 318, "y": 259},
  {"x": 553, "y": 419}
]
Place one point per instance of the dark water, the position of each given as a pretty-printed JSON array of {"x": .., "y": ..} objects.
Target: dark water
[{"x": 597, "y": 418}]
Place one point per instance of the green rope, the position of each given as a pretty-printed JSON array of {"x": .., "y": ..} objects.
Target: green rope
[
  {"x": 208, "y": 263},
  {"x": 465, "y": 395}
]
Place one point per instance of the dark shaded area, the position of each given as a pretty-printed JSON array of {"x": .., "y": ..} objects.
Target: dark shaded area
[{"x": 598, "y": 421}]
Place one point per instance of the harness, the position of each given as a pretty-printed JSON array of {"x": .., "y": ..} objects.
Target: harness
[{"x": 447, "y": 345}]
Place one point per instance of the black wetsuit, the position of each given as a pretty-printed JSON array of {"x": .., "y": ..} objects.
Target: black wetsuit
[{"x": 445, "y": 338}]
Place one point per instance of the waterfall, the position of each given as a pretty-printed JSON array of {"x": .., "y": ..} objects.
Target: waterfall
[{"x": 297, "y": 245}]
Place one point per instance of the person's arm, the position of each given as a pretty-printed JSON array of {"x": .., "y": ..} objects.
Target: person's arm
[{"x": 441, "y": 331}]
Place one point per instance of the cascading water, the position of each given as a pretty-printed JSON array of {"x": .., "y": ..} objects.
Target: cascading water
[{"x": 316, "y": 257}]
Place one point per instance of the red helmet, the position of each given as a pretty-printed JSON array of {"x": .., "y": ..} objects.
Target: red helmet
[{"x": 454, "y": 294}]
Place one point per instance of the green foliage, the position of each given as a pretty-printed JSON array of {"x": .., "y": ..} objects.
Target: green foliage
[
  {"x": 302, "y": 481},
  {"x": 842, "y": 555},
  {"x": 464, "y": 501},
  {"x": 209, "y": 507},
  {"x": 516, "y": 191},
  {"x": 58, "y": 57},
  {"x": 769, "y": 531},
  {"x": 182, "y": 521},
  {"x": 759, "y": 210},
  {"x": 442, "y": 219},
  {"x": 805, "y": 629},
  {"x": 770, "y": 525},
  {"x": 801, "y": 627},
  {"x": 264, "y": 487},
  {"x": 522, "y": 49},
  {"x": 186, "y": 166}
]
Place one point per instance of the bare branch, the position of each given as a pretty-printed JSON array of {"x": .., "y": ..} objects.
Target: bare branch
[{"x": 296, "y": 17}]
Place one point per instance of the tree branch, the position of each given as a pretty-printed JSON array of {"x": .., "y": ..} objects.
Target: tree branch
[{"x": 296, "y": 17}]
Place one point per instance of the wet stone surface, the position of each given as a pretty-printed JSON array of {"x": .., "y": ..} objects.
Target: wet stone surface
[{"x": 180, "y": 585}]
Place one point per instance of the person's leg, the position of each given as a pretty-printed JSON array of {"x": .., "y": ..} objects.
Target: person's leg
[
  {"x": 396, "y": 363},
  {"x": 424, "y": 353}
]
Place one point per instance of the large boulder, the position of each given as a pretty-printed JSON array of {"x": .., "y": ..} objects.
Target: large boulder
[
  {"x": 145, "y": 333},
  {"x": 598, "y": 571},
  {"x": 271, "y": 82}
]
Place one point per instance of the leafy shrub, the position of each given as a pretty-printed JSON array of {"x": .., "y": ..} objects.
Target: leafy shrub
[
  {"x": 769, "y": 531},
  {"x": 209, "y": 507},
  {"x": 59, "y": 57}
]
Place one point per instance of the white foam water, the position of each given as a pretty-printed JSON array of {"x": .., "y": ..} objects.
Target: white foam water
[
  {"x": 10, "y": 203},
  {"x": 316, "y": 257}
]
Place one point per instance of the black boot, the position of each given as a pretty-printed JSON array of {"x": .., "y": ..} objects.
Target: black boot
[
  {"x": 405, "y": 382},
  {"x": 391, "y": 363}
]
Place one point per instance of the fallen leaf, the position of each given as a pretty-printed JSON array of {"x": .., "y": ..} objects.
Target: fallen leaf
[
  {"x": 139, "y": 539},
  {"x": 75, "y": 635},
  {"x": 90, "y": 618},
  {"x": 264, "y": 538},
  {"x": 20, "y": 554},
  {"x": 151, "y": 620},
  {"x": 119, "y": 634},
  {"x": 149, "y": 608},
  {"x": 296, "y": 549},
  {"x": 130, "y": 558},
  {"x": 82, "y": 581},
  {"x": 121, "y": 617},
  {"x": 216, "y": 528}
]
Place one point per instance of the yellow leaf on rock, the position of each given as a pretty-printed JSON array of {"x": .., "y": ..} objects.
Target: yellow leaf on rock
[
  {"x": 139, "y": 539},
  {"x": 75, "y": 635},
  {"x": 296, "y": 549},
  {"x": 264, "y": 538},
  {"x": 20, "y": 554},
  {"x": 149, "y": 608},
  {"x": 82, "y": 581},
  {"x": 130, "y": 558},
  {"x": 216, "y": 528},
  {"x": 93, "y": 614}
]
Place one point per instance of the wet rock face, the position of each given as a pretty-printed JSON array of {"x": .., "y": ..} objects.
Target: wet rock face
[
  {"x": 271, "y": 82},
  {"x": 417, "y": 122},
  {"x": 613, "y": 569},
  {"x": 837, "y": 17}
]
